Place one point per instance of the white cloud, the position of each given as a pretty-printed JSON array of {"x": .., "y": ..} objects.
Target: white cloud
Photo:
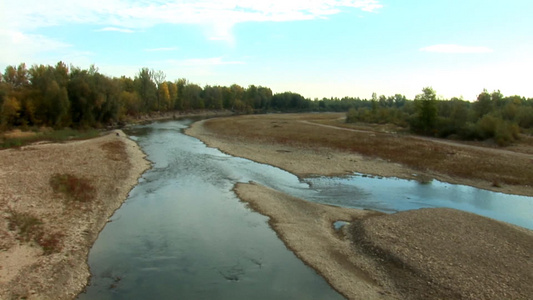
[
  {"x": 23, "y": 21},
  {"x": 452, "y": 48},
  {"x": 22, "y": 46},
  {"x": 193, "y": 62},
  {"x": 125, "y": 15},
  {"x": 162, "y": 49},
  {"x": 124, "y": 30}
]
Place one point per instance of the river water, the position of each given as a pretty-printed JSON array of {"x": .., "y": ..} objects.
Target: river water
[{"x": 183, "y": 233}]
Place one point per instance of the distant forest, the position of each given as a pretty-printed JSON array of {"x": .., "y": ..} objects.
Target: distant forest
[{"x": 60, "y": 96}]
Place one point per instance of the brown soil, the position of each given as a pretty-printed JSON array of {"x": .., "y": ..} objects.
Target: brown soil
[{"x": 48, "y": 258}]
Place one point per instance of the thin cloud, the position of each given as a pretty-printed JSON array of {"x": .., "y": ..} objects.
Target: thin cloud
[
  {"x": 24, "y": 45},
  {"x": 162, "y": 49},
  {"x": 211, "y": 61},
  {"x": 124, "y": 30},
  {"x": 452, "y": 48},
  {"x": 127, "y": 15}
]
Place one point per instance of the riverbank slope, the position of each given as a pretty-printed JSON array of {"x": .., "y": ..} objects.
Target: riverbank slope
[{"x": 46, "y": 234}]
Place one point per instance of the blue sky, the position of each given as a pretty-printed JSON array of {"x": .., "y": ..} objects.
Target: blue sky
[{"x": 318, "y": 48}]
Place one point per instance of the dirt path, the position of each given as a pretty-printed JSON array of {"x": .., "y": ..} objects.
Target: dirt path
[{"x": 435, "y": 140}]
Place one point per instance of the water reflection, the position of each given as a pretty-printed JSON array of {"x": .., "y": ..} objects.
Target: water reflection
[
  {"x": 393, "y": 194},
  {"x": 183, "y": 234}
]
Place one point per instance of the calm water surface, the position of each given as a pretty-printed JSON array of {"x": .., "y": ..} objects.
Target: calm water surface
[{"x": 183, "y": 234}]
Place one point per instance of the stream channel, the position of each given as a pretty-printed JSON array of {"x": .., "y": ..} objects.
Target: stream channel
[{"x": 184, "y": 234}]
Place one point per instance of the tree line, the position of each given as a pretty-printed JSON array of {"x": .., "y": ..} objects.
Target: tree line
[
  {"x": 490, "y": 116},
  {"x": 61, "y": 96}
]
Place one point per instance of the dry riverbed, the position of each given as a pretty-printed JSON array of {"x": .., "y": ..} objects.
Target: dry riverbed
[
  {"x": 421, "y": 254},
  {"x": 46, "y": 235}
]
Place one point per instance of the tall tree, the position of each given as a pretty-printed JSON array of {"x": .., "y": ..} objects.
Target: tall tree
[
  {"x": 147, "y": 89},
  {"x": 163, "y": 96},
  {"x": 159, "y": 78},
  {"x": 426, "y": 111},
  {"x": 483, "y": 104}
]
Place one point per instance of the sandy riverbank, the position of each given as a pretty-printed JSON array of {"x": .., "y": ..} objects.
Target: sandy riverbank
[
  {"x": 111, "y": 164},
  {"x": 300, "y": 161},
  {"x": 423, "y": 254},
  {"x": 305, "y": 148}
]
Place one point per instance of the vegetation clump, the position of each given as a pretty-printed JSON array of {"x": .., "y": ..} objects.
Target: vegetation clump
[
  {"x": 27, "y": 225},
  {"x": 30, "y": 228},
  {"x": 491, "y": 117},
  {"x": 75, "y": 188},
  {"x": 61, "y": 135}
]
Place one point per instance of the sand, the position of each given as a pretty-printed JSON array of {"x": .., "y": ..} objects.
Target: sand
[{"x": 111, "y": 163}]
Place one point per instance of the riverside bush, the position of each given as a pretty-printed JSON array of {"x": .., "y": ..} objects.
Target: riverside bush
[{"x": 75, "y": 188}]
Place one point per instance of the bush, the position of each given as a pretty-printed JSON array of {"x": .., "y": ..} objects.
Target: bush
[
  {"x": 28, "y": 226},
  {"x": 487, "y": 126},
  {"x": 50, "y": 243},
  {"x": 506, "y": 133},
  {"x": 77, "y": 189},
  {"x": 352, "y": 116}
]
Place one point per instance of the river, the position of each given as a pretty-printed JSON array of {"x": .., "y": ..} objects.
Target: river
[{"x": 183, "y": 233}]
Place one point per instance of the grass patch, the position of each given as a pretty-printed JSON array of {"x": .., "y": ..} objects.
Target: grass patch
[
  {"x": 67, "y": 134},
  {"x": 30, "y": 228},
  {"x": 50, "y": 243},
  {"x": 27, "y": 225},
  {"x": 115, "y": 150},
  {"x": 75, "y": 188}
]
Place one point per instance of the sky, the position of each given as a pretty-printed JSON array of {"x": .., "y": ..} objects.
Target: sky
[{"x": 318, "y": 48}]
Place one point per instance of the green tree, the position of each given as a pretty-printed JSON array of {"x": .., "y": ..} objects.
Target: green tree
[
  {"x": 483, "y": 104},
  {"x": 147, "y": 89},
  {"x": 9, "y": 112},
  {"x": 173, "y": 93},
  {"x": 163, "y": 96},
  {"x": 159, "y": 78},
  {"x": 180, "y": 104},
  {"x": 49, "y": 96},
  {"x": 426, "y": 111}
]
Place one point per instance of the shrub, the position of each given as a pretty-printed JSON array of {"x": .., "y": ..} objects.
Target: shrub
[
  {"x": 28, "y": 225},
  {"x": 77, "y": 189},
  {"x": 30, "y": 228},
  {"x": 352, "y": 116},
  {"x": 487, "y": 126},
  {"x": 50, "y": 243},
  {"x": 506, "y": 133}
]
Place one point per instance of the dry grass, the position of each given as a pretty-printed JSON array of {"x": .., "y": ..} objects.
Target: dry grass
[
  {"x": 30, "y": 228},
  {"x": 115, "y": 150},
  {"x": 423, "y": 155},
  {"x": 75, "y": 188}
]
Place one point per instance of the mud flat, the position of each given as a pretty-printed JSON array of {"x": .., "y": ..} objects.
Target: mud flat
[{"x": 45, "y": 236}]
